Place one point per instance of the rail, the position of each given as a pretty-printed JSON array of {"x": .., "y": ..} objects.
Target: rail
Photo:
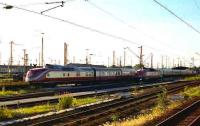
[
  {"x": 179, "y": 116},
  {"x": 91, "y": 113}
]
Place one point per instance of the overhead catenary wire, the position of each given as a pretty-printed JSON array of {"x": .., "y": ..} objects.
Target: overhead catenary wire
[
  {"x": 125, "y": 23},
  {"x": 83, "y": 27},
  {"x": 181, "y": 19},
  {"x": 110, "y": 14},
  {"x": 118, "y": 19},
  {"x": 38, "y": 3},
  {"x": 75, "y": 24},
  {"x": 58, "y": 2}
]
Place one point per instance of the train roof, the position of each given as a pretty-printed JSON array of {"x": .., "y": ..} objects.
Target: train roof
[
  {"x": 86, "y": 68},
  {"x": 60, "y": 67},
  {"x": 180, "y": 68},
  {"x": 85, "y": 65},
  {"x": 108, "y": 69},
  {"x": 68, "y": 68},
  {"x": 149, "y": 69}
]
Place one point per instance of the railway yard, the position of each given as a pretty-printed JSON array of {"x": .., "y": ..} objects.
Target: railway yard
[
  {"x": 86, "y": 95},
  {"x": 106, "y": 104},
  {"x": 99, "y": 63}
]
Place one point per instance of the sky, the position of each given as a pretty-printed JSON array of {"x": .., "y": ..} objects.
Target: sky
[{"x": 141, "y": 22}]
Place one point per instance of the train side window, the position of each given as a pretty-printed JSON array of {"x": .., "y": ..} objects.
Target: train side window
[
  {"x": 118, "y": 73},
  {"x": 68, "y": 74},
  {"x": 63, "y": 74}
]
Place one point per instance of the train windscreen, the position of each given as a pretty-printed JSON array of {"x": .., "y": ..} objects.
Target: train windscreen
[{"x": 35, "y": 72}]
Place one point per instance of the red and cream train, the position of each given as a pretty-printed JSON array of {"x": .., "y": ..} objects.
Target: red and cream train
[{"x": 73, "y": 74}]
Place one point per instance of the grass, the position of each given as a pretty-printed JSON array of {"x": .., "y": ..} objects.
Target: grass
[
  {"x": 149, "y": 117},
  {"x": 6, "y": 80},
  {"x": 78, "y": 102},
  {"x": 33, "y": 110},
  {"x": 8, "y": 93},
  {"x": 156, "y": 112},
  {"x": 12, "y": 83},
  {"x": 24, "y": 112},
  {"x": 18, "y": 91},
  {"x": 192, "y": 91},
  {"x": 4, "y": 93},
  {"x": 144, "y": 119},
  {"x": 196, "y": 77},
  {"x": 5, "y": 113},
  {"x": 20, "y": 112}
]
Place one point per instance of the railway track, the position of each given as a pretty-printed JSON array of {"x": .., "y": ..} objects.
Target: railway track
[
  {"x": 40, "y": 99},
  {"x": 93, "y": 115},
  {"x": 53, "y": 91},
  {"x": 188, "y": 116},
  {"x": 61, "y": 90},
  {"x": 54, "y": 99}
]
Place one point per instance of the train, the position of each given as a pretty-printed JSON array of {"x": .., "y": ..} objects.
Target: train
[{"x": 54, "y": 74}]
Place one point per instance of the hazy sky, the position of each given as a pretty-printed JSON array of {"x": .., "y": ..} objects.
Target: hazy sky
[{"x": 143, "y": 22}]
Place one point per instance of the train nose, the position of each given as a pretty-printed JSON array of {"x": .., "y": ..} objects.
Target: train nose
[
  {"x": 28, "y": 76},
  {"x": 27, "y": 79}
]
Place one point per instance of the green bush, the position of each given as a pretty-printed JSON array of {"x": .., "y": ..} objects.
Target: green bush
[
  {"x": 162, "y": 98},
  {"x": 65, "y": 102}
]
